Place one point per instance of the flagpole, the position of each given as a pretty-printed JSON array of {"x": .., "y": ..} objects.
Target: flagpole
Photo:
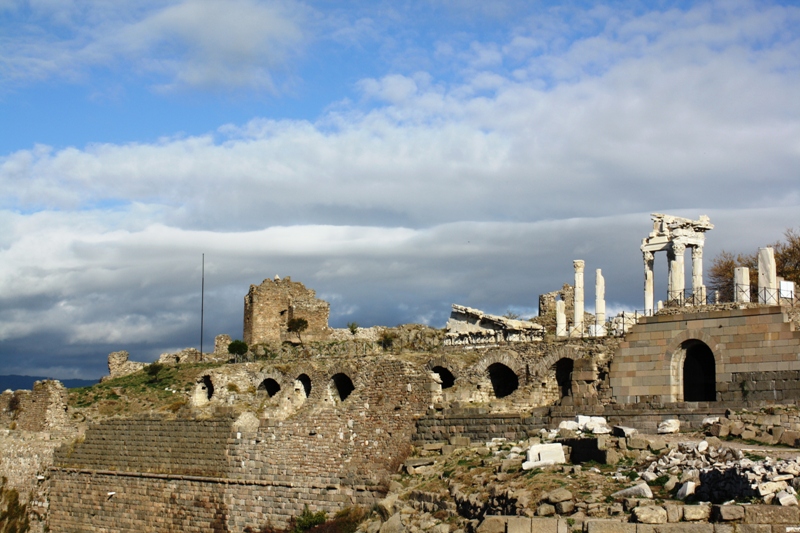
[{"x": 202, "y": 300}]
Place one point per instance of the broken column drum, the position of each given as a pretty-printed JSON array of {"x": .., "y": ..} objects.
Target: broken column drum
[{"x": 673, "y": 235}]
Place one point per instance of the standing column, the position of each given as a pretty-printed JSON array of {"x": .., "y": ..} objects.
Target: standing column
[
  {"x": 698, "y": 289},
  {"x": 741, "y": 285},
  {"x": 676, "y": 272},
  {"x": 648, "y": 283},
  {"x": 599, "y": 304},
  {"x": 767, "y": 277},
  {"x": 561, "y": 319},
  {"x": 577, "y": 323}
]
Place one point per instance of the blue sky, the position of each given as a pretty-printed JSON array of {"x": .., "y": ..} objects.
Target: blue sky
[{"x": 397, "y": 157}]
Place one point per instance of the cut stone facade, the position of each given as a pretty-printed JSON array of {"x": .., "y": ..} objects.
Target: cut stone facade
[
  {"x": 42, "y": 409},
  {"x": 708, "y": 356},
  {"x": 269, "y": 307}
]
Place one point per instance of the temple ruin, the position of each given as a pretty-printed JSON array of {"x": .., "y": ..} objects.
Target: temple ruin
[{"x": 673, "y": 235}]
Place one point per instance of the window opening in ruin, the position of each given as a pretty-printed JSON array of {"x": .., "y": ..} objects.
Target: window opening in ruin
[
  {"x": 343, "y": 385},
  {"x": 306, "y": 381},
  {"x": 564, "y": 376},
  {"x": 209, "y": 386},
  {"x": 270, "y": 386},
  {"x": 699, "y": 373},
  {"x": 447, "y": 377},
  {"x": 504, "y": 380}
]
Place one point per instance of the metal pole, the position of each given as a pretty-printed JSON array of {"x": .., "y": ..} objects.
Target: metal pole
[{"x": 202, "y": 300}]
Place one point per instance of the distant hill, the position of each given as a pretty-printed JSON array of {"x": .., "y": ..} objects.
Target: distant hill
[{"x": 26, "y": 382}]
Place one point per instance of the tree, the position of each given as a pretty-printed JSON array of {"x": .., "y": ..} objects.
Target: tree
[
  {"x": 297, "y": 325},
  {"x": 787, "y": 265},
  {"x": 353, "y": 327},
  {"x": 237, "y": 348}
]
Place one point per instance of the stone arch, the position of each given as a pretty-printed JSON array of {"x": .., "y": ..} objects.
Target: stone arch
[
  {"x": 445, "y": 375},
  {"x": 548, "y": 362},
  {"x": 446, "y": 369},
  {"x": 341, "y": 387},
  {"x": 504, "y": 380},
  {"x": 563, "y": 370},
  {"x": 699, "y": 373},
  {"x": 505, "y": 357},
  {"x": 304, "y": 383},
  {"x": 270, "y": 386},
  {"x": 676, "y": 355},
  {"x": 203, "y": 391}
]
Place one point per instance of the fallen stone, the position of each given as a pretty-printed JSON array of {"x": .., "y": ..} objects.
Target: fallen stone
[
  {"x": 559, "y": 495},
  {"x": 386, "y": 507},
  {"x": 786, "y": 499},
  {"x": 686, "y": 490},
  {"x": 651, "y": 514},
  {"x": 623, "y": 431},
  {"x": 393, "y": 525},
  {"x": 546, "y": 452},
  {"x": 545, "y": 509},
  {"x": 637, "y": 491},
  {"x": 669, "y": 426},
  {"x": 518, "y": 524},
  {"x": 568, "y": 507}
]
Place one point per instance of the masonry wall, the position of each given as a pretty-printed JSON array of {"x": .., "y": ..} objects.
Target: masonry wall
[
  {"x": 269, "y": 307},
  {"x": 215, "y": 476},
  {"x": 758, "y": 345},
  {"x": 42, "y": 409}
]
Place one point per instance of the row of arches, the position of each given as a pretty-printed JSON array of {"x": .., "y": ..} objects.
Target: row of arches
[
  {"x": 340, "y": 387},
  {"x": 505, "y": 381}
]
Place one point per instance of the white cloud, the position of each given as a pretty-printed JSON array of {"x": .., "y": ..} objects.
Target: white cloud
[
  {"x": 424, "y": 193},
  {"x": 184, "y": 43}
]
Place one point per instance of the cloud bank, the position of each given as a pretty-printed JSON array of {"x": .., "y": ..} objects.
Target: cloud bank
[{"x": 476, "y": 180}]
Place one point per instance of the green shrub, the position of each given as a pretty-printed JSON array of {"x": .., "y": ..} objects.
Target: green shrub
[
  {"x": 237, "y": 347},
  {"x": 307, "y": 520}
]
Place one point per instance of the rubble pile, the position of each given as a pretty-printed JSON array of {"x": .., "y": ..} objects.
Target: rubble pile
[{"x": 718, "y": 474}]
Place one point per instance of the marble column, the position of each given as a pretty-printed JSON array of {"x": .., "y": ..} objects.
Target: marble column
[
  {"x": 648, "y": 283},
  {"x": 677, "y": 282},
  {"x": 767, "y": 277},
  {"x": 741, "y": 285},
  {"x": 561, "y": 318},
  {"x": 577, "y": 322},
  {"x": 599, "y": 304},
  {"x": 698, "y": 289}
]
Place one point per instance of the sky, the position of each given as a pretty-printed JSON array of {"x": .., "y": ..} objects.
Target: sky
[{"x": 395, "y": 156}]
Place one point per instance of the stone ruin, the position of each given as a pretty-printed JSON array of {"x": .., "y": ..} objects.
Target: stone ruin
[
  {"x": 469, "y": 326},
  {"x": 673, "y": 235},
  {"x": 269, "y": 307},
  {"x": 345, "y": 413}
]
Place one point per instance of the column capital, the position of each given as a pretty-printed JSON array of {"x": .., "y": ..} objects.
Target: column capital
[{"x": 578, "y": 265}]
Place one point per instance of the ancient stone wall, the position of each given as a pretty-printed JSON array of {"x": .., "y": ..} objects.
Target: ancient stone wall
[
  {"x": 351, "y": 430},
  {"x": 708, "y": 356},
  {"x": 269, "y": 307},
  {"x": 118, "y": 365},
  {"x": 42, "y": 409}
]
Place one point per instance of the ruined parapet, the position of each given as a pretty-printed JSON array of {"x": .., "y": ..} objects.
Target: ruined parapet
[
  {"x": 221, "y": 343},
  {"x": 187, "y": 355},
  {"x": 42, "y": 409},
  {"x": 269, "y": 307},
  {"x": 469, "y": 326},
  {"x": 118, "y": 365}
]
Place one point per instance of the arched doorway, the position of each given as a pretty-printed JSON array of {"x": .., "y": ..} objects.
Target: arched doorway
[
  {"x": 504, "y": 380},
  {"x": 699, "y": 372},
  {"x": 447, "y": 377},
  {"x": 342, "y": 386},
  {"x": 305, "y": 381},
  {"x": 564, "y": 369},
  {"x": 270, "y": 386}
]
